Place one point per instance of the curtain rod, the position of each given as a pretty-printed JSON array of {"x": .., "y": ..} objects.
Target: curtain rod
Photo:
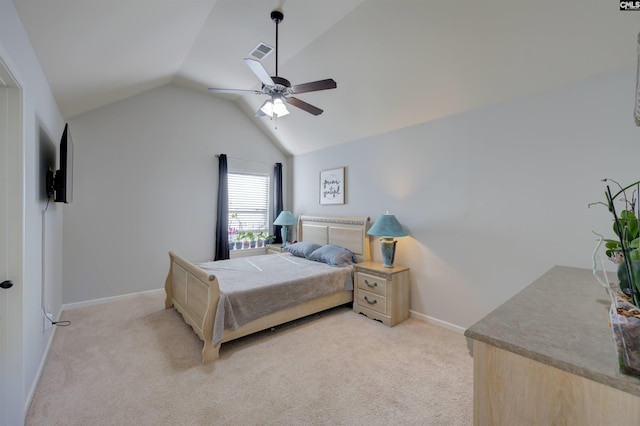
[{"x": 247, "y": 161}]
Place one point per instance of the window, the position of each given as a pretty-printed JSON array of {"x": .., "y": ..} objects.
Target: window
[{"x": 248, "y": 203}]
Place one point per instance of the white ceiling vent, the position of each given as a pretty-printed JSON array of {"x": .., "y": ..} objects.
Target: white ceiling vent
[{"x": 261, "y": 51}]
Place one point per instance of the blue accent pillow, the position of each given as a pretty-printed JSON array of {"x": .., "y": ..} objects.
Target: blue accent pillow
[
  {"x": 302, "y": 249},
  {"x": 333, "y": 255}
]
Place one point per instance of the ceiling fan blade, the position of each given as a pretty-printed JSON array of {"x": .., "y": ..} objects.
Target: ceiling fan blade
[
  {"x": 314, "y": 86},
  {"x": 258, "y": 69},
  {"x": 235, "y": 91},
  {"x": 304, "y": 106}
]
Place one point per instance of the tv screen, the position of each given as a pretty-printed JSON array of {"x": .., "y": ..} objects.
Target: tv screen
[{"x": 63, "y": 180}]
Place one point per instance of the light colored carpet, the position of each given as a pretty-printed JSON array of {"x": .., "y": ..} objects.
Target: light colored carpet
[{"x": 131, "y": 362}]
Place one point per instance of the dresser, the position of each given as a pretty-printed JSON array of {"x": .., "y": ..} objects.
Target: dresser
[
  {"x": 547, "y": 356},
  {"x": 380, "y": 293}
]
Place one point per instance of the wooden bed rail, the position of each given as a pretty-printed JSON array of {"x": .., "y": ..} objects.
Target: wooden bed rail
[{"x": 195, "y": 294}]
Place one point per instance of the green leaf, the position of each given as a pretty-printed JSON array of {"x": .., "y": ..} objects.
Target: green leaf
[
  {"x": 612, "y": 244},
  {"x": 629, "y": 221},
  {"x": 634, "y": 255},
  {"x": 626, "y": 282},
  {"x": 628, "y": 224}
]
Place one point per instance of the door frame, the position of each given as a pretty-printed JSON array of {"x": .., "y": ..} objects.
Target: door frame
[{"x": 12, "y": 394}]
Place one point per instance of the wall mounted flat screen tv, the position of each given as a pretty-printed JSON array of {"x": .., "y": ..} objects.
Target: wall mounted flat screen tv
[{"x": 60, "y": 183}]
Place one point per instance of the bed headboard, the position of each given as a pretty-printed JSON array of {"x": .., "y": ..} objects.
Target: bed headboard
[{"x": 345, "y": 231}]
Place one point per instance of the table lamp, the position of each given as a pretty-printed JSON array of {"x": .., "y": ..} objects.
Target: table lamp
[
  {"x": 285, "y": 219},
  {"x": 387, "y": 227}
]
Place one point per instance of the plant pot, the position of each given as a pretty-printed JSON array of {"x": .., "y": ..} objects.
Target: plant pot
[
  {"x": 626, "y": 333},
  {"x": 238, "y": 245}
]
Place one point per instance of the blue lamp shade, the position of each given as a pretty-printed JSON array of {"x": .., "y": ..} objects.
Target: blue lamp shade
[
  {"x": 285, "y": 219},
  {"x": 387, "y": 227}
]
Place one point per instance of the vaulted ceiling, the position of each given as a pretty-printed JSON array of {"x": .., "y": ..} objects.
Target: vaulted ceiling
[{"x": 397, "y": 63}]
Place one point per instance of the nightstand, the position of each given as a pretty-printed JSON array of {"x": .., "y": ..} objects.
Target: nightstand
[
  {"x": 275, "y": 249},
  {"x": 381, "y": 293}
]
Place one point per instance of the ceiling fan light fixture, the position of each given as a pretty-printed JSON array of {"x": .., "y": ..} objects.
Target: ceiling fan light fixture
[
  {"x": 279, "y": 108},
  {"x": 266, "y": 109},
  {"x": 274, "y": 106}
]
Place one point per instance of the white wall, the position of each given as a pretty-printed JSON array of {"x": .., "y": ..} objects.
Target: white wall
[
  {"x": 42, "y": 127},
  {"x": 146, "y": 183},
  {"x": 493, "y": 197}
]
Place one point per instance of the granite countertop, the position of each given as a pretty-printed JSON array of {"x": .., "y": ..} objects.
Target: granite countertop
[{"x": 562, "y": 320}]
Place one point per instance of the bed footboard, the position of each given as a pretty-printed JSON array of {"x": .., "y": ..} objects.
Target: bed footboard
[{"x": 195, "y": 294}]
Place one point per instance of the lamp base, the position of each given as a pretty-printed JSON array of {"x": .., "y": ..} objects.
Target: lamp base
[
  {"x": 284, "y": 232},
  {"x": 388, "y": 248}
]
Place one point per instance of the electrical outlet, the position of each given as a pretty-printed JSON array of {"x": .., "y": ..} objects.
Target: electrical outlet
[{"x": 46, "y": 321}]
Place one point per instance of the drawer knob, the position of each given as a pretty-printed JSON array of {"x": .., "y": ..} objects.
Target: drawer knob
[
  {"x": 371, "y": 285},
  {"x": 371, "y": 302}
]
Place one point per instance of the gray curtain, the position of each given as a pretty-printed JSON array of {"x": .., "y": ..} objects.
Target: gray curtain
[
  {"x": 277, "y": 198},
  {"x": 222, "y": 214}
]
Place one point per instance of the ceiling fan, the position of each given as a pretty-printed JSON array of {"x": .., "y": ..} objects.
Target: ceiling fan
[{"x": 278, "y": 88}]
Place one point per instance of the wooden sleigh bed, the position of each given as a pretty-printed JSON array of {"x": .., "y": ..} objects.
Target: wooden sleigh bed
[{"x": 195, "y": 292}]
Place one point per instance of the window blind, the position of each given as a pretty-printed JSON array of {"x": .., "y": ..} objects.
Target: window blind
[{"x": 248, "y": 202}]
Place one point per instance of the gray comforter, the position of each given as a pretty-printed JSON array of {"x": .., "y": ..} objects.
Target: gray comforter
[{"x": 252, "y": 287}]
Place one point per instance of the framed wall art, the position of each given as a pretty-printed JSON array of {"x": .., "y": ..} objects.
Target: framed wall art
[{"x": 332, "y": 187}]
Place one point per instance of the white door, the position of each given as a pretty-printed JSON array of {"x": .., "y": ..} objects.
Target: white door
[{"x": 11, "y": 249}]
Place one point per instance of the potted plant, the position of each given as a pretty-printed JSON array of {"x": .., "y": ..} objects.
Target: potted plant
[
  {"x": 260, "y": 239},
  {"x": 269, "y": 239},
  {"x": 240, "y": 237},
  {"x": 264, "y": 239},
  {"x": 250, "y": 239},
  {"x": 240, "y": 234},
  {"x": 624, "y": 250},
  {"x": 232, "y": 233}
]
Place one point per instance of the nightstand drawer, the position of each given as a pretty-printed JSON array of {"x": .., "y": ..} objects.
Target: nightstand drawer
[
  {"x": 381, "y": 293},
  {"x": 372, "y": 301},
  {"x": 371, "y": 284}
]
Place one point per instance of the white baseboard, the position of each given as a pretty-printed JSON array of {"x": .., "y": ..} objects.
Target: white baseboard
[
  {"x": 413, "y": 314},
  {"x": 36, "y": 379},
  {"x": 436, "y": 321},
  {"x": 76, "y": 305}
]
